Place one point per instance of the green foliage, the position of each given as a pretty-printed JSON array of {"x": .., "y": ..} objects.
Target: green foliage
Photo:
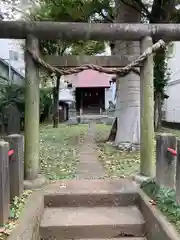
[
  {"x": 18, "y": 204},
  {"x": 75, "y": 10},
  {"x": 45, "y": 99},
  {"x": 11, "y": 94},
  {"x": 165, "y": 200},
  {"x": 161, "y": 71},
  {"x": 16, "y": 208},
  {"x": 69, "y": 11},
  {"x": 87, "y": 48},
  {"x": 14, "y": 95},
  {"x": 150, "y": 188}
]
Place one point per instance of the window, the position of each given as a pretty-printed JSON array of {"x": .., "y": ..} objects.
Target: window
[
  {"x": 13, "y": 55},
  {"x": 69, "y": 85}
]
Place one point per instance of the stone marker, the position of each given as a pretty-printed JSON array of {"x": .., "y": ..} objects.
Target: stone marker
[
  {"x": 4, "y": 183},
  {"x": 14, "y": 120},
  {"x": 165, "y": 161},
  {"x": 16, "y": 165},
  {"x": 178, "y": 173}
]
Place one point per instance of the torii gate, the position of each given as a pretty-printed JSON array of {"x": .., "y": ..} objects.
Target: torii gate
[{"x": 32, "y": 31}]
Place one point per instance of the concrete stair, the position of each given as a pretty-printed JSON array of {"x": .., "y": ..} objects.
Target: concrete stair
[{"x": 92, "y": 209}]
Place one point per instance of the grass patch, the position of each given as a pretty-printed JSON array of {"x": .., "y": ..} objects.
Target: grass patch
[
  {"x": 118, "y": 163},
  {"x": 173, "y": 131},
  {"x": 16, "y": 208},
  {"x": 165, "y": 200},
  {"x": 59, "y": 150}
]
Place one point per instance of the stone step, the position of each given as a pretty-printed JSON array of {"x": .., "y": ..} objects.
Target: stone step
[
  {"x": 124, "y": 238},
  {"x": 92, "y": 222},
  {"x": 86, "y": 193}
]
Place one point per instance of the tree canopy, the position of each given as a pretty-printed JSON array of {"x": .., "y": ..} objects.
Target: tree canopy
[{"x": 69, "y": 11}]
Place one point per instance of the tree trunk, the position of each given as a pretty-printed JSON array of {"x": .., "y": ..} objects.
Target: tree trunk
[
  {"x": 157, "y": 111},
  {"x": 128, "y": 87},
  {"x": 56, "y": 104},
  {"x": 112, "y": 135}
]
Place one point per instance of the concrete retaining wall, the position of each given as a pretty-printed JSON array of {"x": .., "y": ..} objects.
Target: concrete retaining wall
[
  {"x": 157, "y": 226},
  {"x": 28, "y": 224}
]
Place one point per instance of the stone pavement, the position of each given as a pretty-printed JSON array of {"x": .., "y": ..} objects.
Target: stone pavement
[{"x": 89, "y": 166}]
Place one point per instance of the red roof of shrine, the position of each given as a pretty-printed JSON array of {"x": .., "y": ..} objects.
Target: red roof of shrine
[{"x": 91, "y": 78}]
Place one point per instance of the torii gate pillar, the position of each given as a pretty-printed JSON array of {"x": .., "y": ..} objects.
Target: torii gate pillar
[{"x": 147, "y": 111}]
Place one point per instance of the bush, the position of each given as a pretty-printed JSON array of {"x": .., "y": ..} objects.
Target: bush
[
  {"x": 15, "y": 95},
  {"x": 165, "y": 200}
]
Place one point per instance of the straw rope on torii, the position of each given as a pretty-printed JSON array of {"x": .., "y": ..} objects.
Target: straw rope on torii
[{"x": 119, "y": 71}]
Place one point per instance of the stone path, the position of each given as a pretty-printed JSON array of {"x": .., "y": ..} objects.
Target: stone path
[
  {"x": 89, "y": 167},
  {"x": 96, "y": 208}
]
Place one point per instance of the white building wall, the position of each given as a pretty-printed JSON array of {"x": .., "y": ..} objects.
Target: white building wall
[
  {"x": 107, "y": 96},
  {"x": 174, "y": 62},
  {"x": 110, "y": 95},
  {"x": 12, "y": 45},
  {"x": 12, "y": 52},
  {"x": 171, "y": 106}
]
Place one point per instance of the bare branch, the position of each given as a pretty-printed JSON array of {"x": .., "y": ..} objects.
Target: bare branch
[{"x": 139, "y": 6}]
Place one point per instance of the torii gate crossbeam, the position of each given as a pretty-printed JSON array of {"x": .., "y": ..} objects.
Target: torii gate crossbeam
[{"x": 88, "y": 31}]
